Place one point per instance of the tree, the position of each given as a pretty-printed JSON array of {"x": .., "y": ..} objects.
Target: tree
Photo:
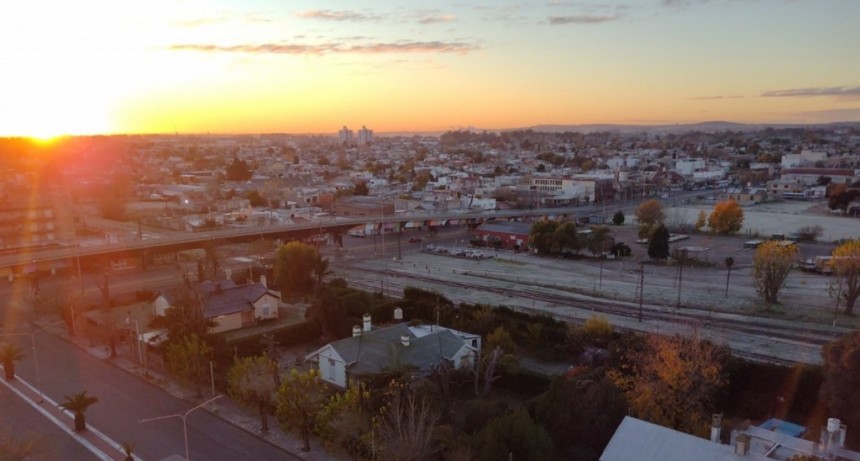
[
  {"x": 701, "y": 220},
  {"x": 294, "y": 267},
  {"x": 188, "y": 360},
  {"x": 15, "y": 447},
  {"x": 841, "y": 197},
  {"x": 565, "y": 238},
  {"x": 809, "y": 233},
  {"x": 618, "y": 218},
  {"x": 406, "y": 426},
  {"x": 729, "y": 261},
  {"x": 320, "y": 268},
  {"x": 727, "y": 217},
  {"x": 771, "y": 265},
  {"x": 78, "y": 405},
  {"x": 650, "y": 213},
  {"x": 9, "y": 354},
  {"x": 184, "y": 317},
  {"x": 674, "y": 380},
  {"x": 541, "y": 236},
  {"x": 516, "y": 436},
  {"x": 345, "y": 421},
  {"x": 658, "y": 244},
  {"x": 599, "y": 240},
  {"x": 361, "y": 188},
  {"x": 580, "y": 413},
  {"x": 841, "y": 370},
  {"x": 846, "y": 267},
  {"x": 250, "y": 381},
  {"x": 499, "y": 350},
  {"x": 300, "y": 399},
  {"x": 238, "y": 170}
]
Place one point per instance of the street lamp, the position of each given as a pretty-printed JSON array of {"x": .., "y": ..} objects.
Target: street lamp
[
  {"x": 35, "y": 355},
  {"x": 184, "y": 424}
]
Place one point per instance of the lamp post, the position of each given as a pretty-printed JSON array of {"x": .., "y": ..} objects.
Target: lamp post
[
  {"x": 183, "y": 417},
  {"x": 35, "y": 355}
]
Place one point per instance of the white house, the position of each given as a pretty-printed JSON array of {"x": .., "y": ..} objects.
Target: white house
[{"x": 370, "y": 351}]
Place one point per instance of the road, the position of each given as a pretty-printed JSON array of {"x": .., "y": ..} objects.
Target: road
[
  {"x": 20, "y": 421},
  {"x": 125, "y": 399}
]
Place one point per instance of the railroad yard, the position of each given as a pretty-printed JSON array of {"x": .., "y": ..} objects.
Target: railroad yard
[{"x": 575, "y": 289}]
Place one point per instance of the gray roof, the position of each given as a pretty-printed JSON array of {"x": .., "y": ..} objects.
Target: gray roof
[
  {"x": 374, "y": 351},
  {"x": 520, "y": 228},
  {"x": 229, "y": 298},
  {"x": 644, "y": 441}
]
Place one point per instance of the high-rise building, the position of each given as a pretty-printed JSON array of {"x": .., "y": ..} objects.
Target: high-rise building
[
  {"x": 365, "y": 136},
  {"x": 345, "y": 136}
]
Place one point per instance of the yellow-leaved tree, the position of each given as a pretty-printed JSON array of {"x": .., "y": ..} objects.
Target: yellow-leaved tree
[
  {"x": 846, "y": 267},
  {"x": 771, "y": 265},
  {"x": 673, "y": 381},
  {"x": 727, "y": 217}
]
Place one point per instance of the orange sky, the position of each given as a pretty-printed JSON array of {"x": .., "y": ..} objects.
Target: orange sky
[{"x": 191, "y": 66}]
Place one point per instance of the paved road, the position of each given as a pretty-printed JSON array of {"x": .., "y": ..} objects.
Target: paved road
[
  {"x": 20, "y": 420},
  {"x": 125, "y": 399}
]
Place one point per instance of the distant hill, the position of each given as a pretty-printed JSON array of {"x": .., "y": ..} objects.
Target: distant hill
[{"x": 711, "y": 126}]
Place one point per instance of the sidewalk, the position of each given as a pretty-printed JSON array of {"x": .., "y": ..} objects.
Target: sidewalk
[{"x": 225, "y": 408}]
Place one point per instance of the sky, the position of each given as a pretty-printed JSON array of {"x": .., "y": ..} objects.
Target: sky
[{"x": 287, "y": 66}]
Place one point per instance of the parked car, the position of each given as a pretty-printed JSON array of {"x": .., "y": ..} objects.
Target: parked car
[{"x": 414, "y": 240}]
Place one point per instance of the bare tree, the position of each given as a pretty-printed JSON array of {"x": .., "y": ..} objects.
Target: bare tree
[{"x": 406, "y": 428}]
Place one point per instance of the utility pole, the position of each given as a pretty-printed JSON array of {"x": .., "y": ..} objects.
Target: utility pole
[
  {"x": 680, "y": 278},
  {"x": 641, "y": 287}
]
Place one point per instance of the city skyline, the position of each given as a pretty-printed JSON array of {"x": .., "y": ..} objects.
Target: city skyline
[{"x": 225, "y": 66}]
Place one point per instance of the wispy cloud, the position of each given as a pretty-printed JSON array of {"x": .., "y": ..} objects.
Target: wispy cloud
[
  {"x": 582, "y": 19},
  {"x": 222, "y": 17},
  {"x": 709, "y": 98},
  {"x": 436, "y": 18},
  {"x": 343, "y": 15},
  {"x": 841, "y": 92},
  {"x": 332, "y": 48}
]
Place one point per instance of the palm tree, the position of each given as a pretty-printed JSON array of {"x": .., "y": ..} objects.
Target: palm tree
[
  {"x": 128, "y": 448},
  {"x": 9, "y": 354},
  {"x": 78, "y": 404},
  {"x": 320, "y": 269}
]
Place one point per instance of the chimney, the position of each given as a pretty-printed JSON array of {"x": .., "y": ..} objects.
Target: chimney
[
  {"x": 366, "y": 320},
  {"x": 833, "y": 435},
  {"x": 263, "y": 281},
  {"x": 742, "y": 445},
  {"x": 356, "y": 331},
  {"x": 398, "y": 314},
  {"x": 404, "y": 339},
  {"x": 716, "y": 426}
]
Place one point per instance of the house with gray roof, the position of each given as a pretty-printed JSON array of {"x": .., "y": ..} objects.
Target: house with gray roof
[
  {"x": 370, "y": 351},
  {"x": 234, "y": 306},
  {"x": 644, "y": 441}
]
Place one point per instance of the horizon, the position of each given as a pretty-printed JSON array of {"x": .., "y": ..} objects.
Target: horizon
[{"x": 99, "y": 67}]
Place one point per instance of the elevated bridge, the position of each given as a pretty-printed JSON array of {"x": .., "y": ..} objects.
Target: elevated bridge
[{"x": 145, "y": 251}]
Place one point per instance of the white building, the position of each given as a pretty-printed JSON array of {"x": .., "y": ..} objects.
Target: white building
[
  {"x": 365, "y": 136},
  {"x": 370, "y": 351},
  {"x": 345, "y": 136}
]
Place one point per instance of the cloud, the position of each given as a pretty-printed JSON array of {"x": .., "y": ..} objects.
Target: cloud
[
  {"x": 332, "y": 48},
  {"x": 222, "y": 17},
  {"x": 710, "y": 98},
  {"x": 345, "y": 15},
  {"x": 842, "y": 92},
  {"x": 436, "y": 18},
  {"x": 582, "y": 19}
]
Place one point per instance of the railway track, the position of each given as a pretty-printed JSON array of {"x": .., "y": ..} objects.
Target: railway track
[{"x": 760, "y": 328}]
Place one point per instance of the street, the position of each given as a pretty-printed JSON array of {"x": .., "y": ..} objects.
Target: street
[{"x": 125, "y": 399}]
